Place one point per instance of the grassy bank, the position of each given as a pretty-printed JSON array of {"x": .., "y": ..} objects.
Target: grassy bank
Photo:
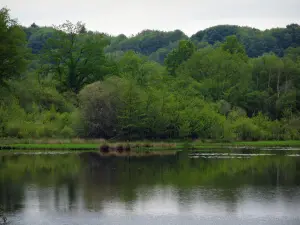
[
  {"x": 95, "y": 144},
  {"x": 292, "y": 143},
  {"x": 80, "y": 144},
  {"x": 51, "y": 146}
]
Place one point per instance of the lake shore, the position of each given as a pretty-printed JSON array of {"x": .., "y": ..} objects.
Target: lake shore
[{"x": 95, "y": 144}]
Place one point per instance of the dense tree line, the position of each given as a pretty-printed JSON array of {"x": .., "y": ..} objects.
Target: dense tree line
[
  {"x": 157, "y": 44},
  {"x": 223, "y": 83}
]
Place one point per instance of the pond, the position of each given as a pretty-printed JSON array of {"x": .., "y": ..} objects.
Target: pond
[{"x": 38, "y": 188}]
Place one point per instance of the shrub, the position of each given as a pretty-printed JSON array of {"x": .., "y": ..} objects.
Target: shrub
[
  {"x": 67, "y": 132},
  {"x": 244, "y": 129},
  {"x": 13, "y": 130},
  {"x": 98, "y": 102}
]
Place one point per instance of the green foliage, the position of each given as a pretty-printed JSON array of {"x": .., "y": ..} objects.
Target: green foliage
[
  {"x": 223, "y": 75},
  {"x": 74, "y": 58},
  {"x": 160, "y": 54},
  {"x": 256, "y": 42},
  {"x": 89, "y": 84},
  {"x": 49, "y": 123},
  {"x": 244, "y": 129},
  {"x": 98, "y": 106},
  {"x": 233, "y": 46},
  {"x": 37, "y": 37},
  {"x": 30, "y": 93},
  {"x": 157, "y": 44},
  {"x": 12, "y": 48},
  {"x": 133, "y": 66},
  {"x": 179, "y": 55},
  {"x": 146, "y": 42}
]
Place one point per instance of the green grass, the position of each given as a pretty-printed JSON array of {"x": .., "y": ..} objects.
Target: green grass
[
  {"x": 54, "y": 146},
  {"x": 145, "y": 145},
  {"x": 73, "y": 146}
]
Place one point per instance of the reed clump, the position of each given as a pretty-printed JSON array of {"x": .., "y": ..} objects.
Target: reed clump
[
  {"x": 127, "y": 147},
  {"x": 104, "y": 148},
  {"x": 120, "y": 148}
]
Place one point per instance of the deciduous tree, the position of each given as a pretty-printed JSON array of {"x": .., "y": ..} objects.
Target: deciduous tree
[
  {"x": 75, "y": 58},
  {"x": 13, "y": 49}
]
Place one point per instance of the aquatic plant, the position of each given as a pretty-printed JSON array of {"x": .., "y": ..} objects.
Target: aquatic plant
[
  {"x": 127, "y": 147},
  {"x": 119, "y": 148},
  {"x": 104, "y": 148}
]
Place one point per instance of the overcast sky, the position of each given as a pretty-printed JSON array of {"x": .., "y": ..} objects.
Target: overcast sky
[{"x": 132, "y": 16}]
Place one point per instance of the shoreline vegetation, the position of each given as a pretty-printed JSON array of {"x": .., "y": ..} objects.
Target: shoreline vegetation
[
  {"x": 225, "y": 83},
  {"x": 135, "y": 146}
]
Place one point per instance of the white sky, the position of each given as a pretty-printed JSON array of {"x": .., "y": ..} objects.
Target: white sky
[{"x": 132, "y": 16}]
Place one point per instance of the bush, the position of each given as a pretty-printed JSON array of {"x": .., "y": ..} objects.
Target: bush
[
  {"x": 13, "y": 130},
  {"x": 77, "y": 124},
  {"x": 264, "y": 124},
  {"x": 99, "y": 103},
  {"x": 44, "y": 94},
  {"x": 244, "y": 129},
  {"x": 67, "y": 132},
  {"x": 15, "y": 122}
]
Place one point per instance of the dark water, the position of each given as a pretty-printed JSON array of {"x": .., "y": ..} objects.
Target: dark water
[{"x": 83, "y": 188}]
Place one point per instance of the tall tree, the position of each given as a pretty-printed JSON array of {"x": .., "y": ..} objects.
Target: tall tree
[
  {"x": 12, "y": 47},
  {"x": 75, "y": 58},
  {"x": 233, "y": 46},
  {"x": 179, "y": 55}
]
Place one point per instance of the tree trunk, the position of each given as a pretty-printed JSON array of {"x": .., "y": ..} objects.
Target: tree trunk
[
  {"x": 269, "y": 80},
  {"x": 285, "y": 89},
  {"x": 278, "y": 81}
]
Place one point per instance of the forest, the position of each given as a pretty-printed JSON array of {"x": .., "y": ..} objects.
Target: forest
[{"x": 224, "y": 83}]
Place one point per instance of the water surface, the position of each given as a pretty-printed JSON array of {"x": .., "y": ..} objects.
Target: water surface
[{"x": 196, "y": 188}]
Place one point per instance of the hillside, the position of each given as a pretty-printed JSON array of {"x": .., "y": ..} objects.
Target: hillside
[
  {"x": 157, "y": 44},
  {"x": 224, "y": 83}
]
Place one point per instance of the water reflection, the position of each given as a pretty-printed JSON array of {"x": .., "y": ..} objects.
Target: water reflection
[{"x": 69, "y": 187}]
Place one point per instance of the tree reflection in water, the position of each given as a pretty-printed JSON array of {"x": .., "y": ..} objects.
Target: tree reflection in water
[{"x": 87, "y": 181}]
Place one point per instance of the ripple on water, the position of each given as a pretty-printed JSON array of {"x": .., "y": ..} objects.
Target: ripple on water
[{"x": 227, "y": 155}]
